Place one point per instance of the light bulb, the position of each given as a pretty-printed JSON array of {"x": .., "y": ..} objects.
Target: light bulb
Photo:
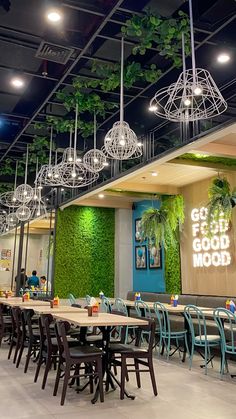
[
  {"x": 70, "y": 159},
  {"x": 56, "y": 176},
  {"x": 139, "y": 144},
  {"x": 62, "y": 190},
  {"x": 101, "y": 196},
  {"x": 35, "y": 197},
  {"x": 23, "y": 213},
  {"x": 152, "y": 108},
  {"x": 73, "y": 174},
  {"x": 122, "y": 142},
  {"x": 95, "y": 160},
  {"x": 17, "y": 82},
  {"x": 40, "y": 188},
  {"x": 105, "y": 164},
  {"x": 49, "y": 174},
  {"x": 14, "y": 199},
  {"x": 108, "y": 139},
  {"x": 78, "y": 159},
  {"x": 187, "y": 102},
  {"x": 25, "y": 193},
  {"x": 80, "y": 178},
  {"x": 54, "y": 16},
  {"x": 197, "y": 90},
  {"x": 38, "y": 213}
]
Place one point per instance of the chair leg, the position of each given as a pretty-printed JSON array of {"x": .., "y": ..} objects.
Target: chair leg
[
  {"x": 16, "y": 349},
  {"x": 20, "y": 354},
  {"x": 65, "y": 384},
  {"x": 100, "y": 378},
  {"x": 57, "y": 379},
  {"x": 152, "y": 374},
  {"x": 28, "y": 358},
  {"x": 46, "y": 371},
  {"x": 137, "y": 373},
  {"x": 123, "y": 374},
  {"x": 205, "y": 355},
  {"x": 11, "y": 348},
  {"x": 39, "y": 363}
]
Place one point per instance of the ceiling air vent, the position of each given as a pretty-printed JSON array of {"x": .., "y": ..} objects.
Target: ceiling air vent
[{"x": 54, "y": 52}]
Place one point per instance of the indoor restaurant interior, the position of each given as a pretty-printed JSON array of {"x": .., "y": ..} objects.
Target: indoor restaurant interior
[{"x": 117, "y": 209}]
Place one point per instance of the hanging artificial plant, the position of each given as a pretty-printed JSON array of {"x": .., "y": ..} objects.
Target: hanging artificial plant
[
  {"x": 159, "y": 226},
  {"x": 222, "y": 199},
  {"x": 164, "y": 34}
]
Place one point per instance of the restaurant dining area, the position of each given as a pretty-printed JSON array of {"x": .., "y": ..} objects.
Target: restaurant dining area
[{"x": 117, "y": 209}]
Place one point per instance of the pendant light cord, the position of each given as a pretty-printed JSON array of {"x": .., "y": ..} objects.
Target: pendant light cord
[
  {"x": 75, "y": 138},
  {"x": 122, "y": 81},
  {"x": 26, "y": 163},
  {"x": 192, "y": 36},
  {"x": 95, "y": 132},
  {"x": 50, "y": 149},
  {"x": 16, "y": 175}
]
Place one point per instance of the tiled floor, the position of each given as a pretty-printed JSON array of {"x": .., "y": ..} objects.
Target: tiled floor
[{"x": 183, "y": 394}]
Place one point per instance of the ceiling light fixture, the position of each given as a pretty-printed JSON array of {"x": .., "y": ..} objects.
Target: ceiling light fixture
[
  {"x": 152, "y": 108},
  {"x": 54, "y": 15},
  {"x": 223, "y": 58},
  {"x": 17, "y": 82},
  {"x": 154, "y": 174},
  {"x": 101, "y": 195}
]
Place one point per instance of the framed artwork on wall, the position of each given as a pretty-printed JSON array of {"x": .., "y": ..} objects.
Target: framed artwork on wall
[
  {"x": 154, "y": 258},
  {"x": 138, "y": 231},
  {"x": 140, "y": 257}
]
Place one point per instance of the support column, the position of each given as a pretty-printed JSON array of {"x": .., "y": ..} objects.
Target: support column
[{"x": 19, "y": 262}]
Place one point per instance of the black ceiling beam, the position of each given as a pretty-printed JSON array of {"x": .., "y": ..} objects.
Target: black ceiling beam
[
  {"x": 83, "y": 9},
  {"x": 227, "y": 22},
  {"x": 68, "y": 71}
]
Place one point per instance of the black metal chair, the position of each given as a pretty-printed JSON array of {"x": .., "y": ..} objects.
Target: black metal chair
[
  {"x": 70, "y": 360},
  {"x": 30, "y": 338},
  {"x": 5, "y": 324},
  {"x": 16, "y": 335}
]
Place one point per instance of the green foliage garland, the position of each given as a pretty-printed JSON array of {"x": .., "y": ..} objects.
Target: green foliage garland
[
  {"x": 225, "y": 161},
  {"x": 85, "y": 251},
  {"x": 153, "y": 30}
]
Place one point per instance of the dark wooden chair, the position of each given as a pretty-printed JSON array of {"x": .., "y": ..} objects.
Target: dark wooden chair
[
  {"x": 16, "y": 332},
  {"x": 5, "y": 323},
  {"x": 30, "y": 338},
  {"x": 120, "y": 353},
  {"x": 71, "y": 360}
]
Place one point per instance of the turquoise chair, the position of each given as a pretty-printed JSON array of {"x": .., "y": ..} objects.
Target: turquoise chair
[
  {"x": 87, "y": 299},
  {"x": 226, "y": 322},
  {"x": 143, "y": 310},
  {"x": 166, "y": 335},
  {"x": 71, "y": 299},
  {"x": 105, "y": 305},
  {"x": 200, "y": 339},
  {"x": 120, "y": 306}
]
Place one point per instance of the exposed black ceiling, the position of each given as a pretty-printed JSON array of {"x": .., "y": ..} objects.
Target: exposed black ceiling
[{"x": 91, "y": 29}]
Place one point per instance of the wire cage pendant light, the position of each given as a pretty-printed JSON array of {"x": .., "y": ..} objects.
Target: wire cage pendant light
[
  {"x": 121, "y": 141},
  {"x": 94, "y": 160},
  {"x": 24, "y": 193},
  {"x": 72, "y": 172},
  {"x": 195, "y": 96},
  {"x": 37, "y": 206},
  {"x": 8, "y": 199}
]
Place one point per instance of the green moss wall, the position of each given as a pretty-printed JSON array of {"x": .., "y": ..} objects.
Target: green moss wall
[
  {"x": 85, "y": 259},
  {"x": 172, "y": 269}
]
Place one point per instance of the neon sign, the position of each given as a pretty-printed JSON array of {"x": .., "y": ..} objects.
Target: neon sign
[{"x": 213, "y": 250}]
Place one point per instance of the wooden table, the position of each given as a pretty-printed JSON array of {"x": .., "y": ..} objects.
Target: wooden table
[
  {"x": 29, "y": 304},
  {"x": 105, "y": 322},
  {"x": 56, "y": 310}
]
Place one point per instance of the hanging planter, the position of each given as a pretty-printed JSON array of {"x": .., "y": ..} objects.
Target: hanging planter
[
  {"x": 222, "y": 199},
  {"x": 160, "y": 225}
]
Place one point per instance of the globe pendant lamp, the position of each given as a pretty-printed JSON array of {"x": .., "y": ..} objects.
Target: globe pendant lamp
[
  {"x": 94, "y": 160},
  {"x": 8, "y": 199},
  {"x": 23, "y": 213},
  {"x": 121, "y": 141},
  {"x": 49, "y": 175},
  {"x": 11, "y": 219},
  {"x": 195, "y": 95},
  {"x": 24, "y": 193},
  {"x": 73, "y": 173},
  {"x": 36, "y": 205}
]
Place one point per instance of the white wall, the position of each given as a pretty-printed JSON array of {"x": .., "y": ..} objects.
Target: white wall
[
  {"x": 36, "y": 258},
  {"x": 123, "y": 252}
]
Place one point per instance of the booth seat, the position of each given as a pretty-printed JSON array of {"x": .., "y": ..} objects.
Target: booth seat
[{"x": 177, "y": 320}]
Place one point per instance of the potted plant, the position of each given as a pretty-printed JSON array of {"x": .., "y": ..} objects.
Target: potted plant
[
  {"x": 222, "y": 199},
  {"x": 158, "y": 224}
]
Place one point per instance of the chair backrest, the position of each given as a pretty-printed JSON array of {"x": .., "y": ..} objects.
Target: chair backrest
[
  {"x": 162, "y": 318},
  {"x": 88, "y": 298},
  {"x": 27, "y": 315},
  {"x": 105, "y": 305},
  {"x": 1, "y": 316},
  {"x": 120, "y": 306},
  {"x": 46, "y": 320},
  {"x": 61, "y": 328},
  {"x": 197, "y": 322},
  {"x": 71, "y": 299},
  {"x": 16, "y": 319},
  {"x": 149, "y": 329},
  {"x": 123, "y": 329},
  {"x": 142, "y": 309},
  {"x": 226, "y": 321}
]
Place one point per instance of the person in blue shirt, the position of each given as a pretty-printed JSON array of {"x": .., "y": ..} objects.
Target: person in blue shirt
[{"x": 33, "y": 280}]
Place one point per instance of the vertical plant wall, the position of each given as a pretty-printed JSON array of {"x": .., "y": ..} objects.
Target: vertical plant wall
[
  {"x": 85, "y": 259},
  {"x": 172, "y": 268}
]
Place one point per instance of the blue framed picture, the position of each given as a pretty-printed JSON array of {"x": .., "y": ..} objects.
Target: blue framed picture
[
  {"x": 140, "y": 257},
  {"x": 154, "y": 258}
]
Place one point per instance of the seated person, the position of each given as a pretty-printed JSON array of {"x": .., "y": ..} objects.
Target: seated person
[
  {"x": 33, "y": 280},
  {"x": 44, "y": 285}
]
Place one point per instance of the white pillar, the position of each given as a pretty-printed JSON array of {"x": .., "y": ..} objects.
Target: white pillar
[{"x": 123, "y": 252}]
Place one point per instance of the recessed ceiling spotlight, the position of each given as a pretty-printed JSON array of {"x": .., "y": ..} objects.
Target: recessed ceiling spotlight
[
  {"x": 154, "y": 174},
  {"x": 17, "y": 82},
  {"x": 101, "y": 195},
  {"x": 223, "y": 58},
  {"x": 54, "y": 15},
  {"x": 152, "y": 108}
]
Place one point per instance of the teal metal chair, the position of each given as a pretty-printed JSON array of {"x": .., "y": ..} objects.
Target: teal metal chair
[
  {"x": 87, "y": 299},
  {"x": 166, "y": 335},
  {"x": 105, "y": 305},
  {"x": 71, "y": 299},
  {"x": 120, "y": 306},
  {"x": 143, "y": 310},
  {"x": 200, "y": 339},
  {"x": 226, "y": 322}
]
